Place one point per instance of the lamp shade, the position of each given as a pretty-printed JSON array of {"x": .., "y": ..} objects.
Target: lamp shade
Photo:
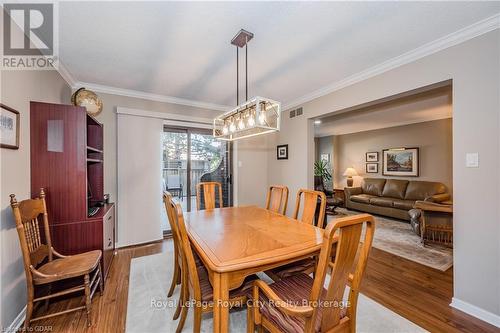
[{"x": 349, "y": 172}]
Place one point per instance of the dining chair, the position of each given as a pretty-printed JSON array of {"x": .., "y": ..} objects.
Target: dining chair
[
  {"x": 277, "y": 199},
  {"x": 281, "y": 306},
  {"x": 176, "y": 278},
  {"x": 195, "y": 281},
  {"x": 312, "y": 201},
  {"x": 209, "y": 198},
  {"x": 43, "y": 265}
]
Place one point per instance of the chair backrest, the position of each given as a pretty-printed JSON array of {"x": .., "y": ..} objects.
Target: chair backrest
[
  {"x": 310, "y": 205},
  {"x": 36, "y": 245},
  {"x": 167, "y": 197},
  {"x": 347, "y": 268},
  {"x": 173, "y": 181},
  {"x": 209, "y": 189},
  {"x": 186, "y": 252},
  {"x": 277, "y": 199}
]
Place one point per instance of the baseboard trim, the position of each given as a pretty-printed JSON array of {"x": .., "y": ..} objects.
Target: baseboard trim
[
  {"x": 475, "y": 311},
  {"x": 17, "y": 322}
]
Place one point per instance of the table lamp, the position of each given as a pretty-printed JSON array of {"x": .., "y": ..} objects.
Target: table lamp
[{"x": 349, "y": 172}]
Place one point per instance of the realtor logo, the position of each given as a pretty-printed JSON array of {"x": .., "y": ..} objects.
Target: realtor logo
[{"x": 29, "y": 38}]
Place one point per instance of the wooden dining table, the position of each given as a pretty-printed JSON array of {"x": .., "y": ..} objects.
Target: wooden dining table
[{"x": 236, "y": 242}]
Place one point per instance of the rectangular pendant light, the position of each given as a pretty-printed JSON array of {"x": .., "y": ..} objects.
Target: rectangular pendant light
[{"x": 257, "y": 116}]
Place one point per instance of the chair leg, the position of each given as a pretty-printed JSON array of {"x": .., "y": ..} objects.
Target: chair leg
[
  {"x": 250, "y": 320},
  {"x": 101, "y": 280},
  {"x": 87, "y": 299},
  {"x": 47, "y": 301},
  {"x": 29, "y": 309},
  {"x": 197, "y": 320},
  {"x": 180, "y": 304},
  {"x": 175, "y": 278},
  {"x": 184, "y": 311}
]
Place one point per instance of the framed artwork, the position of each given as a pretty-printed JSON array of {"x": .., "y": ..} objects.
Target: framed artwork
[
  {"x": 371, "y": 167},
  {"x": 400, "y": 162},
  {"x": 325, "y": 157},
  {"x": 372, "y": 156},
  {"x": 9, "y": 127},
  {"x": 282, "y": 152}
]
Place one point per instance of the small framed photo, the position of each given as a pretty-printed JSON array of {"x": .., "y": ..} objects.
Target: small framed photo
[
  {"x": 371, "y": 167},
  {"x": 282, "y": 152},
  {"x": 325, "y": 158},
  {"x": 9, "y": 127},
  {"x": 372, "y": 156}
]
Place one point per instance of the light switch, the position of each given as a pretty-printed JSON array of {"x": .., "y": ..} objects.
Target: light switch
[
  {"x": 240, "y": 164},
  {"x": 472, "y": 160}
]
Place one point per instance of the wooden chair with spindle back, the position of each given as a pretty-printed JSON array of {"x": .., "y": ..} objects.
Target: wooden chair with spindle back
[
  {"x": 195, "y": 280},
  {"x": 280, "y": 306},
  {"x": 43, "y": 265},
  {"x": 277, "y": 199},
  {"x": 209, "y": 198},
  {"x": 312, "y": 201}
]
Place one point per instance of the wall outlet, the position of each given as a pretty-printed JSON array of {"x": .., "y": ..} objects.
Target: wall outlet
[{"x": 472, "y": 160}]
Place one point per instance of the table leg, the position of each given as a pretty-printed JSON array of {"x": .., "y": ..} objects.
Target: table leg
[{"x": 221, "y": 303}]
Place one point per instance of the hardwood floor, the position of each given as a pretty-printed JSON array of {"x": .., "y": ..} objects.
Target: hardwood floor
[{"x": 414, "y": 291}]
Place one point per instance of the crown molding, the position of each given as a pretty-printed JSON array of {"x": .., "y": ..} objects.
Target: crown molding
[
  {"x": 460, "y": 36},
  {"x": 149, "y": 96},
  {"x": 65, "y": 74}
]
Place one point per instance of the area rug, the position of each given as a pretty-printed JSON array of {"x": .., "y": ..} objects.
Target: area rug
[
  {"x": 396, "y": 237},
  {"x": 149, "y": 309}
]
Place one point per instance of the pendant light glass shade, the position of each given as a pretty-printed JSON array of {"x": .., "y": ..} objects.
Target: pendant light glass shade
[{"x": 258, "y": 116}]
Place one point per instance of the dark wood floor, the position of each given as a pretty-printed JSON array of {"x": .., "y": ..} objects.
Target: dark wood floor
[{"x": 414, "y": 291}]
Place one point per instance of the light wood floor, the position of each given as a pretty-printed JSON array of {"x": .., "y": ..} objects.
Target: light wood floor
[{"x": 414, "y": 291}]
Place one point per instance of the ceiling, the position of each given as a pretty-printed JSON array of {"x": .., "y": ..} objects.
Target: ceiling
[
  {"x": 421, "y": 107},
  {"x": 182, "y": 49}
]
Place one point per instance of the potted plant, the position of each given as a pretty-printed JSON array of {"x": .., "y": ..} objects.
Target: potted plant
[{"x": 321, "y": 169}]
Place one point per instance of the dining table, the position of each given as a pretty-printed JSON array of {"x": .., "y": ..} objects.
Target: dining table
[{"x": 235, "y": 242}]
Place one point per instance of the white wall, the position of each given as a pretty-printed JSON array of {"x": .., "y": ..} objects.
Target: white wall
[
  {"x": 433, "y": 138},
  {"x": 475, "y": 70},
  {"x": 250, "y": 171},
  {"x": 18, "y": 88}
]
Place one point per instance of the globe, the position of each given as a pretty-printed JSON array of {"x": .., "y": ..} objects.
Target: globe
[{"x": 88, "y": 99}]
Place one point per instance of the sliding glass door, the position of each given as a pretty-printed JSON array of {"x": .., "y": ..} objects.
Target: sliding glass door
[{"x": 191, "y": 156}]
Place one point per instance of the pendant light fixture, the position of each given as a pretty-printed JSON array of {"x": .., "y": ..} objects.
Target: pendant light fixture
[{"x": 253, "y": 117}]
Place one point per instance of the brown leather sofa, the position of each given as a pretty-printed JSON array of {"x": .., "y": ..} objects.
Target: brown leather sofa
[{"x": 393, "y": 197}]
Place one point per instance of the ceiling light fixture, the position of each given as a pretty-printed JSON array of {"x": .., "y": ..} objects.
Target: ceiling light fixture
[{"x": 254, "y": 117}]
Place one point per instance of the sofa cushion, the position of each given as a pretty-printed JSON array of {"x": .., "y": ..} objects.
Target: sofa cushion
[
  {"x": 362, "y": 198},
  {"x": 395, "y": 188},
  {"x": 420, "y": 190},
  {"x": 403, "y": 204},
  {"x": 373, "y": 186},
  {"x": 381, "y": 201}
]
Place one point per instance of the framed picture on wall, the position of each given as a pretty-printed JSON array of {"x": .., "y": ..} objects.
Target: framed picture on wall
[
  {"x": 325, "y": 158},
  {"x": 282, "y": 152},
  {"x": 400, "y": 162},
  {"x": 9, "y": 127},
  {"x": 371, "y": 167},
  {"x": 372, "y": 156}
]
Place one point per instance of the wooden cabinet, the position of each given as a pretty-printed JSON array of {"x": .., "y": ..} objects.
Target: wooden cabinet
[{"x": 67, "y": 161}]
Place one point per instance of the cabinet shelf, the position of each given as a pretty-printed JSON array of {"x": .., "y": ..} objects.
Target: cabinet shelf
[
  {"x": 93, "y": 160},
  {"x": 94, "y": 150}
]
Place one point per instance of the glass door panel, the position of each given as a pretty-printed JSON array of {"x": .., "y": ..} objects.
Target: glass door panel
[
  {"x": 194, "y": 152},
  {"x": 210, "y": 162}
]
